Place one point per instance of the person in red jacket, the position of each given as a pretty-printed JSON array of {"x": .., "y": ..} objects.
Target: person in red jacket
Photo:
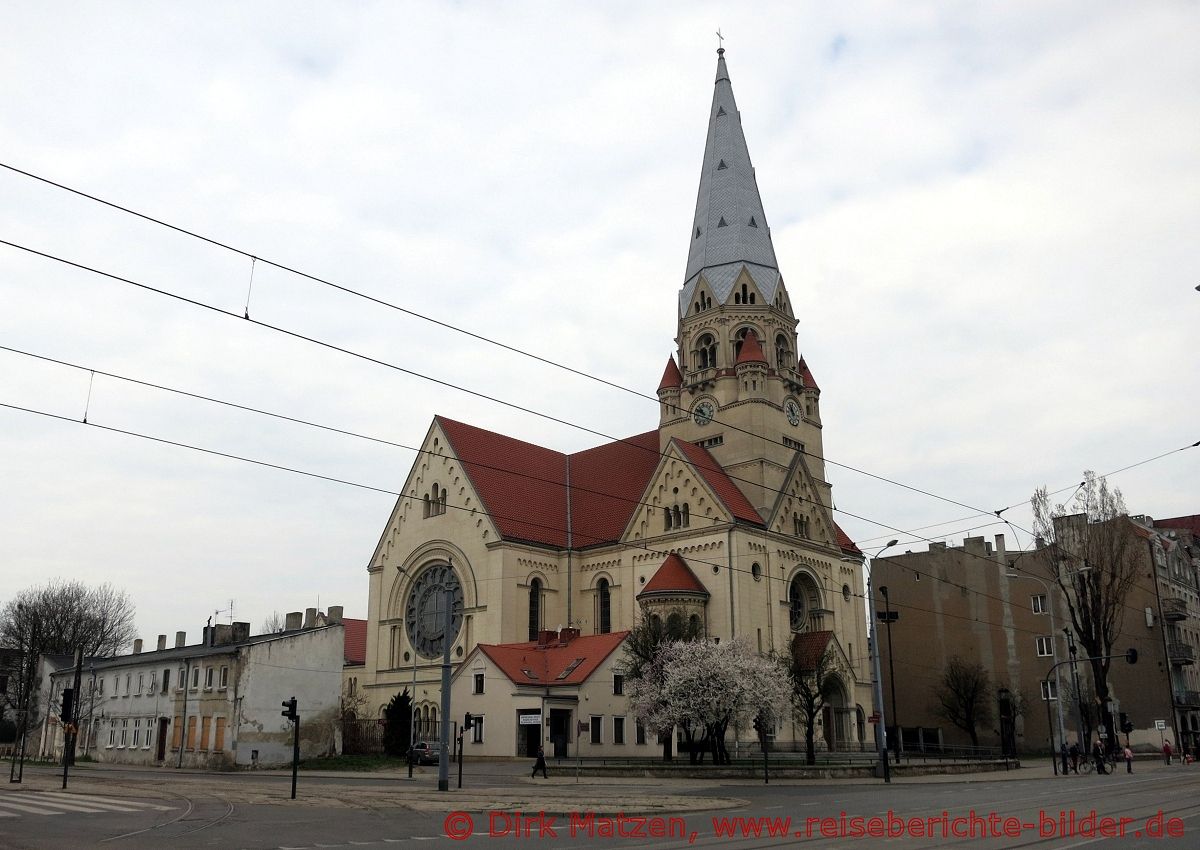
[{"x": 1167, "y": 751}]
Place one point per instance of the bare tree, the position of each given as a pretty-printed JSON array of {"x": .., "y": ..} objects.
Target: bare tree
[
  {"x": 62, "y": 616},
  {"x": 1092, "y": 560},
  {"x": 964, "y": 697},
  {"x": 816, "y": 677},
  {"x": 272, "y": 625}
]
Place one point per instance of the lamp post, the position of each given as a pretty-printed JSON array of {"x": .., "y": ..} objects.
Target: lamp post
[
  {"x": 1013, "y": 572},
  {"x": 881, "y": 726},
  {"x": 889, "y": 616}
]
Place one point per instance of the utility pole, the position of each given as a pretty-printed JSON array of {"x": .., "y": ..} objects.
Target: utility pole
[
  {"x": 70, "y": 716},
  {"x": 889, "y": 616},
  {"x": 444, "y": 760}
]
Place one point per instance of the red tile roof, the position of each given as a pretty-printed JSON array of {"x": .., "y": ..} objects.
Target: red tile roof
[
  {"x": 607, "y": 483},
  {"x": 721, "y": 484},
  {"x": 674, "y": 576},
  {"x": 843, "y": 540},
  {"x": 808, "y": 646},
  {"x": 355, "y": 641},
  {"x": 672, "y": 378},
  {"x": 807, "y": 375},
  {"x": 751, "y": 351},
  {"x": 547, "y": 664}
]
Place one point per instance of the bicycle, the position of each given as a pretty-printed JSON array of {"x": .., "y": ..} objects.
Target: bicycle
[{"x": 1088, "y": 766}]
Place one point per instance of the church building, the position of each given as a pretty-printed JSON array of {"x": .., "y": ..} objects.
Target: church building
[{"x": 720, "y": 514}]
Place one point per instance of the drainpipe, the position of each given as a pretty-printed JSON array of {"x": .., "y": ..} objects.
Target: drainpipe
[
  {"x": 729, "y": 567},
  {"x": 570, "y": 581},
  {"x": 187, "y": 677}
]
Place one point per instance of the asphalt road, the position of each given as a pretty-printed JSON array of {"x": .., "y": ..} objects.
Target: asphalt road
[{"x": 123, "y": 809}]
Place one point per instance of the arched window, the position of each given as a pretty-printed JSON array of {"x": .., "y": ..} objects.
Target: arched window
[
  {"x": 677, "y": 517},
  {"x": 686, "y": 515},
  {"x": 656, "y": 622},
  {"x": 675, "y": 624},
  {"x": 426, "y": 499},
  {"x": 535, "y": 608},
  {"x": 798, "y": 594},
  {"x": 604, "y": 604},
  {"x": 783, "y": 352},
  {"x": 706, "y": 352},
  {"x": 694, "y": 624},
  {"x": 738, "y": 339},
  {"x": 666, "y": 519}
]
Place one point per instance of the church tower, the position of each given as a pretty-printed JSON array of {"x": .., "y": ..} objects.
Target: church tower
[{"x": 738, "y": 386}]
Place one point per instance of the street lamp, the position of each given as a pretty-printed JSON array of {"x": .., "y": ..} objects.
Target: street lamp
[
  {"x": 1013, "y": 572},
  {"x": 881, "y": 726}
]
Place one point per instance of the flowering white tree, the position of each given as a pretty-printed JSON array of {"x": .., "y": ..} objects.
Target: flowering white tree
[{"x": 703, "y": 687}]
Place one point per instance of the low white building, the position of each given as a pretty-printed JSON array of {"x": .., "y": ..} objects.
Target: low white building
[
  {"x": 216, "y": 704},
  {"x": 564, "y": 692}
]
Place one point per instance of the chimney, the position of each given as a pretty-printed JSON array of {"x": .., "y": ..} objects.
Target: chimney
[
  {"x": 565, "y": 636},
  {"x": 222, "y": 634},
  {"x": 241, "y": 632},
  {"x": 335, "y": 615},
  {"x": 162, "y": 642},
  {"x": 310, "y": 617},
  {"x": 206, "y": 636},
  {"x": 137, "y": 646},
  {"x": 180, "y": 639},
  {"x": 292, "y": 621},
  {"x": 546, "y": 637},
  {"x": 1001, "y": 552}
]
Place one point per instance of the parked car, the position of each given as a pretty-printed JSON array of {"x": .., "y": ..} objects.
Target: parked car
[{"x": 425, "y": 752}]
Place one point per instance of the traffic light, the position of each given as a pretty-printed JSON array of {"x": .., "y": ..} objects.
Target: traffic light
[
  {"x": 1126, "y": 725},
  {"x": 68, "y": 705},
  {"x": 289, "y": 709},
  {"x": 468, "y": 721},
  {"x": 1131, "y": 656}
]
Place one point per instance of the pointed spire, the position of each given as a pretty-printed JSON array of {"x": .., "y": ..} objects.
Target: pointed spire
[
  {"x": 751, "y": 351},
  {"x": 672, "y": 379},
  {"x": 728, "y": 199},
  {"x": 806, "y": 374}
]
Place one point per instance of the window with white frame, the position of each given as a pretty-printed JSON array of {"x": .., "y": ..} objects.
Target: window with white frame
[
  {"x": 1045, "y": 647},
  {"x": 597, "y": 729},
  {"x": 1039, "y": 603},
  {"x": 618, "y": 730},
  {"x": 128, "y": 680},
  {"x": 195, "y": 678},
  {"x": 1049, "y": 689},
  {"x": 124, "y": 732},
  {"x": 477, "y": 729},
  {"x": 141, "y": 683},
  {"x": 137, "y": 732},
  {"x": 208, "y": 678},
  {"x": 224, "y": 678},
  {"x": 153, "y": 684},
  {"x": 112, "y": 734},
  {"x": 182, "y": 679},
  {"x": 100, "y": 686},
  {"x": 618, "y": 684},
  {"x": 478, "y": 682},
  {"x": 639, "y": 732}
]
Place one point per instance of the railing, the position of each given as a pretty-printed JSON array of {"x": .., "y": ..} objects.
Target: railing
[
  {"x": 1181, "y": 653},
  {"x": 1174, "y": 608}
]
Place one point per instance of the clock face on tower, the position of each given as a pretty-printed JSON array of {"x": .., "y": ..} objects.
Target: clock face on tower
[
  {"x": 792, "y": 410},
  {"x": 704, "y": 412},
  {"x": 425, "y": 611}
]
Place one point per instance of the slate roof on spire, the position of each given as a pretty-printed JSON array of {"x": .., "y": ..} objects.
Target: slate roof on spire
[
  {"x": 751, "y": 351},
  {"x": 672, "y": 378},
  {"x": 729, "y": 192}
]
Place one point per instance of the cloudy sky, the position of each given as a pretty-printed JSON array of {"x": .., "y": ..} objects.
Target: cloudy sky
[{"x": 986, "y": 216}]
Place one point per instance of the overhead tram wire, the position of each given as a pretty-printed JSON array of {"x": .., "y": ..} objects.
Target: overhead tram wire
[
  {"x": 255, "y": 258},
  {"x": 438, "y": 381},
  {"x": 642, "y": 545},
  {"x": 344, "y": 432},
  {"x": 384, "y": 363}
]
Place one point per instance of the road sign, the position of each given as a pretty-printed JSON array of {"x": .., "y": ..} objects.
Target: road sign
[
  {"x": 529, "y": 719},
  {"x": 1160, "y": 725},
  {"x": 874, "y": 718}
]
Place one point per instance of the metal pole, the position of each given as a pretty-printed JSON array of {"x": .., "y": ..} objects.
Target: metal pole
[
  {"x": 1054, "y": 755},
  {"x": 444, "y": 759},
  {"x": 887, "y": 604},
  {"x": 295, "y": 750},
  {"x": 881, "y": 726}
]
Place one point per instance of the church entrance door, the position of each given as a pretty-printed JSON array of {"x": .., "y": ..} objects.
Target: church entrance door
[{"x": 560, "y": 731}]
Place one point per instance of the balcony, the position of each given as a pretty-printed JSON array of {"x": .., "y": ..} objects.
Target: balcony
[
  {"x": 1181, "y": 654},
  {"x": 1174, "y": 609},
  {"x": 1187, "y": 699}
]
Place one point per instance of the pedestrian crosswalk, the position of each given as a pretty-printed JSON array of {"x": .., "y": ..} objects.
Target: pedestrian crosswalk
[{"x": 15, "y": 804}]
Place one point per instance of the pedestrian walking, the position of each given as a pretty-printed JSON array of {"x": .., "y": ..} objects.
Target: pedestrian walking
[
  {"x": 540, "y": 764},
  {"x": 1065, "y": 755},
  {"x": 1167, "y": 751},
  {"x": 1075, "y": 756},
  {"x": 1098, "y": 755},
  {"x": 1128, "y": 760}
]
